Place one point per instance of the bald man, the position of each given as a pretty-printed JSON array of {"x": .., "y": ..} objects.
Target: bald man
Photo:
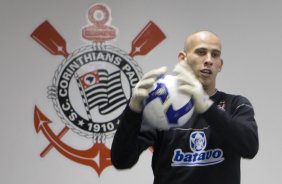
[
  {"x": 202, "y": 51},
  {"x": 209, "y": 147}
]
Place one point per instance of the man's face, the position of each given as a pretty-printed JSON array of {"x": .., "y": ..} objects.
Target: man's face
[{"x": 204, "y": 57}]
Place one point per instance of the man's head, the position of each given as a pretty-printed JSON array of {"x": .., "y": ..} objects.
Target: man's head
[{"x": 202, "y": 51}]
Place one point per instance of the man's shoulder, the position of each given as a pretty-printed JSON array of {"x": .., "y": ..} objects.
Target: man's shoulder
[
  {"x": 232, "y": 96},
  {"x": 235, "y": 100}
]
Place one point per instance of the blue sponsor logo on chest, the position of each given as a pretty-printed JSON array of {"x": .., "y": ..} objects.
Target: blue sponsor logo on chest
[
  {"x": 209, "y": 157},
  {"x": 199, "y": 156}
]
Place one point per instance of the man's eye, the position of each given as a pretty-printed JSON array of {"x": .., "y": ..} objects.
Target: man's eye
[
  {"x": 215, "y": 54},
  {"x": 201, "y": 52}
]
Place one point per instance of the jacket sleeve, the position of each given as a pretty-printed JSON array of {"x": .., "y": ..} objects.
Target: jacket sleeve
[
  {"x": 130, "y": 140},
  {"x": 238, "y": 128}
]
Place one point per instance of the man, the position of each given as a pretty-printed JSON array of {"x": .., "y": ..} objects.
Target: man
[{"x": 209, "y": 147}]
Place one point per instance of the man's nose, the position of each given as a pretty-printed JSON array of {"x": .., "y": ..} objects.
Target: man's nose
[{"x": 208, "y": 59}]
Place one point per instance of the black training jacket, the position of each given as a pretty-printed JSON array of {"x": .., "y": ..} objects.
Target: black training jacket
[{"x": 207, "y": 149}]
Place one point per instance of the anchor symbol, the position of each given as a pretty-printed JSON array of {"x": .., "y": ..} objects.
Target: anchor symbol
[{"x": 86, "y": 157}]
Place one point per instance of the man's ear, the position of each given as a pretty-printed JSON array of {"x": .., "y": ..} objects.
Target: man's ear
[
  {"x": 221, "y": 65},
  {"x": 182, "y": 56}
]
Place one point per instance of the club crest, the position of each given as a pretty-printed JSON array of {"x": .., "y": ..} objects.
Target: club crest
[{"x": 92, "y": 85}]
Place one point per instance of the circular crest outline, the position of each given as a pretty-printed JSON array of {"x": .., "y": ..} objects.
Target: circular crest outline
[{"x": 69, "y": 59}]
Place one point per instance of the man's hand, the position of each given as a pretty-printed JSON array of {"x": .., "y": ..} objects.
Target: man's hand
[
  {"x": 142, "y": 88},
  {"x": 190, "y": 85}
]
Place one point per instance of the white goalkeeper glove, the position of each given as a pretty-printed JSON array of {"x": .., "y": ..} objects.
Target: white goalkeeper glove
[
  {"x": 142, "y": 88},
  {"x": 190, "y": 85}
]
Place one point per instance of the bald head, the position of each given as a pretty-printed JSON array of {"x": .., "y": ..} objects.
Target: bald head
[{"x": 201, "y": 36}]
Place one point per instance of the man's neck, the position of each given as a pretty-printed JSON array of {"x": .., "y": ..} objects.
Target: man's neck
[{"x": 210, "y": 91}]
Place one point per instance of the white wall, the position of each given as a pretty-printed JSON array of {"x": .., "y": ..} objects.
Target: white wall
[{"x": 251, "y": 36}]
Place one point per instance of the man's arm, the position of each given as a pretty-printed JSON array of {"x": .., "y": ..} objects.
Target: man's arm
[
  {"x": 239, "y": 129},
  {"x": 125, "y": 149},
  {"x": 128, "y": 142}
]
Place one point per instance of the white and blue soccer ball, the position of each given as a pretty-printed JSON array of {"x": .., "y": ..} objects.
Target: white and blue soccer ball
[{"x": 166, "y": 107}]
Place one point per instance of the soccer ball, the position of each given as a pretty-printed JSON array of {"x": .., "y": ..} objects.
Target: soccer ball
[{"x": 166, "y": 107}]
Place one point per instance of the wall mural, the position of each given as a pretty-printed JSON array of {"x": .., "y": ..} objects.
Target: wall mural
[{"x": 91, "y": 85}]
